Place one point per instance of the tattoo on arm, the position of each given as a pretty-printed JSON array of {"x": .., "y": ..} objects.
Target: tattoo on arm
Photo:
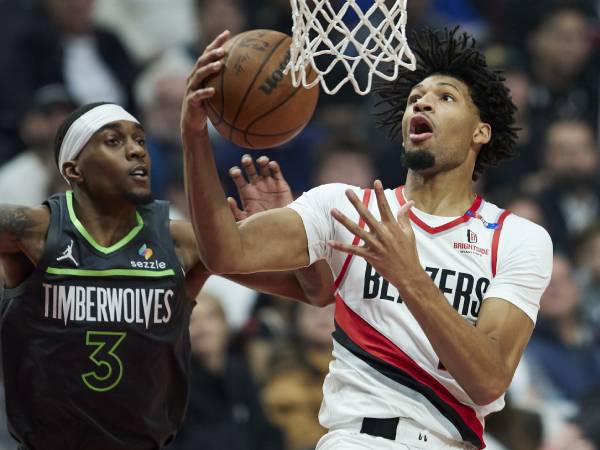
[{"x": 15, "y": 222}]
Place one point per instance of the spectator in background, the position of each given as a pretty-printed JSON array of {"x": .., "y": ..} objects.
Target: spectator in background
[
  {"x": 561, "y": 364},
  {"x": 211, "y": 18},
  {"x": 293, "y": 394},
  {"x": 422, "y": 15},
  {"x": 224, "y": 410},
  {"x": 148, "y": 27},
  {"x": 159, "y": 95},
  {"x": 562, "y": 347},
  {"x": 568, "y": 184},
  {"x": 343, "y": 158},
  {"x": 29, "y": 178},
  {"x": 63, "y": 45},
  {"x": 512, "y": 62},
  {"x": 15, "y": 17},
  {"x": 587, "y": 257},
  {"x": 565, "y": 80},
  {"x": 527, "y": 207}
]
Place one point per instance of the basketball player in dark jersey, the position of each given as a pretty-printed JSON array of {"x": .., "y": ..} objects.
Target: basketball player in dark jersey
[{"x": 98, "y": 290}]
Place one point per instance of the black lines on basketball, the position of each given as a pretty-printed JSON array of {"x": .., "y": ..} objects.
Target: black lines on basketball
[
  {"x": 275, "y": 107},
  {"x": 265, "y": 61}
]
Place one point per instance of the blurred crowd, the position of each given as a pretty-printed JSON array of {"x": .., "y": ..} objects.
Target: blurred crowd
[{"x": 258, "y": 361}]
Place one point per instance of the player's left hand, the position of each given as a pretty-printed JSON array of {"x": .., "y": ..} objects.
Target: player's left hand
[
  {"x": 388, "y": 245},
  {"x": 265, "y": 189}
]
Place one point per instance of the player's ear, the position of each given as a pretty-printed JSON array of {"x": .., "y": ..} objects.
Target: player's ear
[
  {"x": 71, "y": 171},
  {"x": 482, "y": 134}
]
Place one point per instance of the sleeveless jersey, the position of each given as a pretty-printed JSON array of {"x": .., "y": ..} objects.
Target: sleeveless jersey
[
  {"x": 384, "y": 365},
  {"x": 95, "y": 344}
]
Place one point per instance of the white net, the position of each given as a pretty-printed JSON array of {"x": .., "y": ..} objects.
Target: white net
[{"x": 348, "y": 37}]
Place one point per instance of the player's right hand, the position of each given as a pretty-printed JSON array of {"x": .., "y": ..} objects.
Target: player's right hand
[
  {"x": 264, "y": 190},
  {"x": 193, "y": 113}
]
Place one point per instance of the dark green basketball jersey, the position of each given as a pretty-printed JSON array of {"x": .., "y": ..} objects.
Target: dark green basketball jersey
[{"x": 95, "y": 344}]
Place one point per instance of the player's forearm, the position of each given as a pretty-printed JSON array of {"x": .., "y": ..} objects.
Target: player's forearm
[
  {"x": 283, "y": 284},
  {"x": 216, "y": 232},
  {"x": 470, "y": 356}
]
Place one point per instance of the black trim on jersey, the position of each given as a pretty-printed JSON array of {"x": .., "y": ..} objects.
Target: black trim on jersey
[{"x": 399, "y": 376}]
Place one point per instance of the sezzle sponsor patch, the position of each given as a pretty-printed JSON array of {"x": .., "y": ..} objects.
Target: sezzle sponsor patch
[{"x": 146, "y": 252}]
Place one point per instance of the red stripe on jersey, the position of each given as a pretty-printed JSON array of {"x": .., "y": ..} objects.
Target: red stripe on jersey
[
  {"x": 376, "y": 344},
  {"x": 361, "y": 224},
  {"x": 496, "y": 239},
  {"x": 433, "y": 230}
]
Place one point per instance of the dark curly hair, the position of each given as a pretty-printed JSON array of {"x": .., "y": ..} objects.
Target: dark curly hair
[{"x": 451, "y": 53}]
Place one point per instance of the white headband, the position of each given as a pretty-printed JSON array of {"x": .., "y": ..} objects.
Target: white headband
[{"x": 81, "y": 131}]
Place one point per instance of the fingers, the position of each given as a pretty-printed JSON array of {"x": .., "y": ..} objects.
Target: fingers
[
  {"x": 382, "y": 203},
  {"x": 202, "y": 72},
  {"x": 235, "y": 173},
  {"x": 266, "y": 168},
  {"x": 238, "y": 214},
  {"x": 263, "y": 166},
  {"x": 276, "y": 171},
  {"x": 351, "y": 249},
  {"x": 200, "y": 95},
  {"x": 249, "y": 168},
  {"x": 218, "y": 41},
  {"x": 403, "y": 213},
  {"x": 362, "y": 210},
  {"x": 352, "y": 227},
  {"x": 209, "y": 62}
]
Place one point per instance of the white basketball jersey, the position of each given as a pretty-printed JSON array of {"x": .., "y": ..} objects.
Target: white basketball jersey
[{"x": 384, "y": 365}]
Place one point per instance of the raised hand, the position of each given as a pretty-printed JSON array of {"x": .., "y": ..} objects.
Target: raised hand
[
  {"x": 389, "y": 245},
  {"x": 265, "y": 189},
  {"x": 193, "y": 114}
]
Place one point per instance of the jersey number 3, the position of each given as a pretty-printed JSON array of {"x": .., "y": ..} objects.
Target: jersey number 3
[{"x": 108, "y": 366}]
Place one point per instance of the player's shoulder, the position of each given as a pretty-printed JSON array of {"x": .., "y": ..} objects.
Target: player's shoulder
[
  {"x": 334, "y": 189},
  {"x": 519, "y": 230}
]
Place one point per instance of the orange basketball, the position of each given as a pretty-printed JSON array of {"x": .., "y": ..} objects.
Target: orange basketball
[{"x": 255, "y": 104}]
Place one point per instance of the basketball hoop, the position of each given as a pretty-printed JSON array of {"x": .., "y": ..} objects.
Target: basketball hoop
[{"x": 364, "y": 42}]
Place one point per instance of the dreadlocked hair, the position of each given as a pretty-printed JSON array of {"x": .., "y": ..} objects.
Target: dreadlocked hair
[{"x": 451, "y": 53}]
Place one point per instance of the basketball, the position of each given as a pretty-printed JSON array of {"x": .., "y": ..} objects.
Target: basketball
[{"x": 255, "y": 105}]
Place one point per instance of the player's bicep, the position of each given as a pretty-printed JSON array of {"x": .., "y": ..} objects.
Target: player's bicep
[
  {"x": 272, "y": 240},
  {"x": 23, "y": 229},
  {"x": 508, "y": 327}
]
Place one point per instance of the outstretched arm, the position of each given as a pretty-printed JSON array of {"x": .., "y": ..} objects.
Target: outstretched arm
[
  {"x": 261, "y": 190},
  {"x": 271, "y": 240}
]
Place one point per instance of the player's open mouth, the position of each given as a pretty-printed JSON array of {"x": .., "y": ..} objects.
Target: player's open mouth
[
  {"x": 420, "y": 129},
  {"x": 139, "y": 173}
]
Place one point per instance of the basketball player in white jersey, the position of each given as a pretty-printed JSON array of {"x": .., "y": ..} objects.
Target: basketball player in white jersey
[{"x": 437, "y": 290}]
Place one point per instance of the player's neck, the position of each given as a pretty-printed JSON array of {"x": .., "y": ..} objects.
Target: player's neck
[
  {"x": 106, "y": 222},
  {"x": 442, "y": 194}
]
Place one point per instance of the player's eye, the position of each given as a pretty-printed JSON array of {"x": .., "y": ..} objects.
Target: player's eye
[
  {"x": 141, "y": 141},
  {"x": 413, "y": 98},
  {"x": 112, "y": 141},
  {"x": 448, "y": 98}
]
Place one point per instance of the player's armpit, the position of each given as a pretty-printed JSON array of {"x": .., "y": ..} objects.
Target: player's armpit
[
  {"x": 23, "y": 229},
  {"x": 509, "y": 328},
  {"x": 195, "y": 279}
]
